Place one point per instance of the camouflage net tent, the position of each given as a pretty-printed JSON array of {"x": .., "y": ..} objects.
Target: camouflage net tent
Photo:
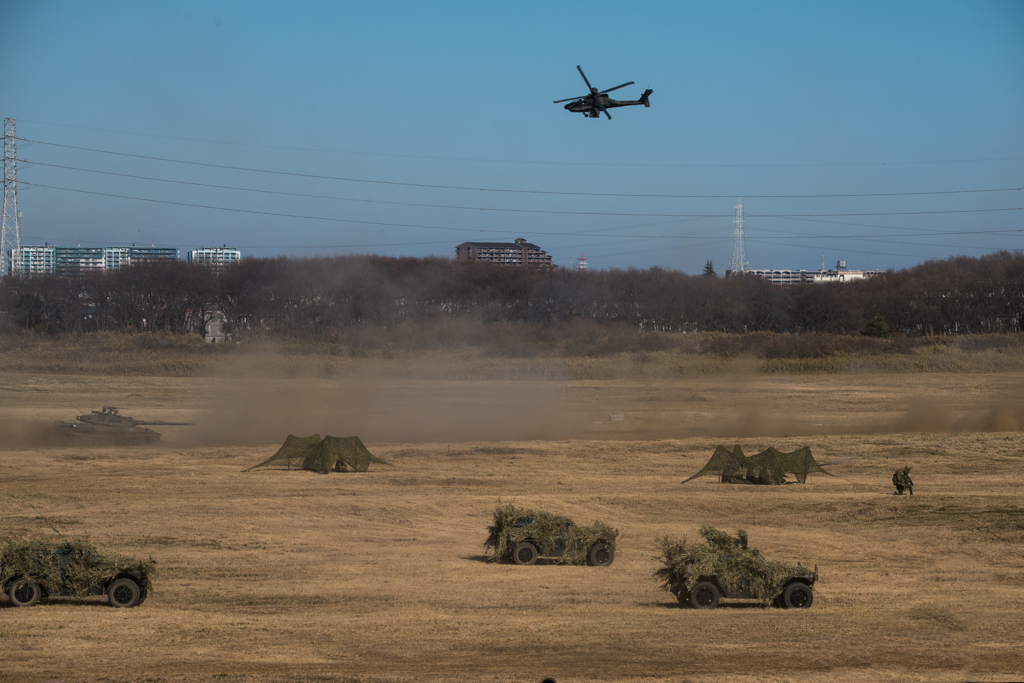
[
  {"x": 329, "y": 454},
  {"x": 730, "y": 559},
  {"x": 87, "y": 569},
  {"x": 770, "y": 466},
  {"x": 513, "y": 524}
]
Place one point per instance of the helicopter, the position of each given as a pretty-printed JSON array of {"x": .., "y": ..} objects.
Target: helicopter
[{"x": 596, "y": 102}]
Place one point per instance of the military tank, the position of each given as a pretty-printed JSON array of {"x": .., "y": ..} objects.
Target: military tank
[{"x": 109, "y": 426}]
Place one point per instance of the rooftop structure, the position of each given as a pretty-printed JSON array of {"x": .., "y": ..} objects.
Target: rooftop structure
[{"x": 518, "y": 254}]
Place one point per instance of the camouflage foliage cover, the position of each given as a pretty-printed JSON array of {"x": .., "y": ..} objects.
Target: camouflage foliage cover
[
  {"x": 88, "y": 569},
  {"x": 504, "y": 534},
  {"x": 770, "y": 466},
  {"x": 332, "y": 453},
  {"x": 730, "y": 559}
]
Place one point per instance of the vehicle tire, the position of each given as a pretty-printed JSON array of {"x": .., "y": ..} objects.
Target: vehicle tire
[
  {"x": 797, "y": 596},
  {"x": 25, "y": 593},
  {"x": 704, "y": 595},
  {"x": 143, "y": 594},
  {"x": 601, "y": 555},
  {"x": 124, "y": 593},
  {"x": 525, "y": 553}
]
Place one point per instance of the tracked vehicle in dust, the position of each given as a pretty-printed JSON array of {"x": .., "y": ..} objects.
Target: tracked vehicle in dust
[{"x": 108, "y": 426}]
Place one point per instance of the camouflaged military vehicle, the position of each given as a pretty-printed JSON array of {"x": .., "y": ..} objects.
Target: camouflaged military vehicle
[
  {"x": 110, "y": 427},
  {"x": 524, "y": 536},
  {"x": 31, "y": 571},
  {"x": 700, "y": 575}
]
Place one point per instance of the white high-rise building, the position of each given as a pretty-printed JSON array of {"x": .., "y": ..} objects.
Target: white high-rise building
[
  {"x": 34, "y": 261},
  {"x": 116, "y": 258},
  {"x": 215, "y": 258}
]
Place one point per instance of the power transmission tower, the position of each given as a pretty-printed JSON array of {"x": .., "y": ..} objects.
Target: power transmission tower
[
  {"x": 739, "y": 249},
  {"x": 10, "y": 234}
]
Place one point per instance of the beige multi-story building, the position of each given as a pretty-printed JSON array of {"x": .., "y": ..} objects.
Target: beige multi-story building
[{"x": 518, "y": 254}]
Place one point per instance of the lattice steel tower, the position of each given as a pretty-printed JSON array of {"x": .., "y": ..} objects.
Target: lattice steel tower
[
  {"x": 739, "y": 249},
  {"x": 10, "y": 234}
]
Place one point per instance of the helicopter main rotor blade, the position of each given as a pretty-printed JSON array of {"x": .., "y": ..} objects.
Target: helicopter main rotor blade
[
  {"x": 570, "y": 98},
  {"x": 584, "y": 78},
  {"x": 617, "y": 87}
]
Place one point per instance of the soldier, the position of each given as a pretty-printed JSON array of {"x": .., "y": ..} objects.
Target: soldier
[
  {"x": 902, "y": 481},
  {"x": 908, "y": 483},
  {"x": 897, "y": 481}
]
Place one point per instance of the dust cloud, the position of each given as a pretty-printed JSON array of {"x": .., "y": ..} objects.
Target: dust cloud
[
  {"x": 251, "y": 410},
  {"x": 29, "y": 434}
]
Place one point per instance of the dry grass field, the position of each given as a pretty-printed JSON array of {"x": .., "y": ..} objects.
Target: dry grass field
[{"x": 293, "y": 576}]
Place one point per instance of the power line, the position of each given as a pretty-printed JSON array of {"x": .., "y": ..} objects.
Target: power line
[
  {"x": 439, "y": 206},
  {"x": 314, "y": 218},
  {"x": 511, "y": 191},
  {"x": 579, "y": 213},
  {"x": 529, "y": 162}
]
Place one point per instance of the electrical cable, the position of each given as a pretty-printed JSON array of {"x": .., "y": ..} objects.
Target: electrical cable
[
  {"x": 514, "y": 161},
  {"x": 578, "y": 213},
  {"x": 511, "y": 191}
]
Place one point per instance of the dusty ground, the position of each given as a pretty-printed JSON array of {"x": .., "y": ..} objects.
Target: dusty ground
[{"x": 380, "y": 576}]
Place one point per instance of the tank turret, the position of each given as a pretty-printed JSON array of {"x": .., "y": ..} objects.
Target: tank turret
[{"x": 108, "y": 425}]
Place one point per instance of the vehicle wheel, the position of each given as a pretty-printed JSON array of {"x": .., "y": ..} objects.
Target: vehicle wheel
[
  {"x": 25, "y": 593},
  {"x": 798, "y": 596},
  {"x": 525, "y": 553},
  {"x": 704, "y": 595},
  {"x": 143, "y": 594},
  {"x": 124, "y": 593},
  {"x": 600, "y": 555}
]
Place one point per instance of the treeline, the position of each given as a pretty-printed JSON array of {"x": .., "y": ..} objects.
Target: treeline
[{"x": 325, "y": 298}]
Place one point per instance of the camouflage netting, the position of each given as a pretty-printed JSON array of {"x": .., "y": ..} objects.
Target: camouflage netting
[
  {"x": 332, "y": 453},
  {"x": 730, "y": 558},
  {"x": 503, "y": 534},
  {"x": 39, "y": 561},
  {"x": 767, "y": 467}
]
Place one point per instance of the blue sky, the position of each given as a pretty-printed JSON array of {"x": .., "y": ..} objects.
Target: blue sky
[{"x": 315, "y": 98}]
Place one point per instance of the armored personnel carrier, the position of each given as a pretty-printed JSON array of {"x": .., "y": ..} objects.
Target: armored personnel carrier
[{"x": 108, "y": 426}]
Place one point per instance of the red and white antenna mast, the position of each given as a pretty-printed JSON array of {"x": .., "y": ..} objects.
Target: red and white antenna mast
[{"x": 582, "y": 263}]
